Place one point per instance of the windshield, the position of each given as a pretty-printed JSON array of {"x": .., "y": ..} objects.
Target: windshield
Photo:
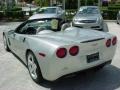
[
  {"x": 40, "y": 25},
  {"x": 88, "y": 10},
  {"x": 47, "y": 10}
]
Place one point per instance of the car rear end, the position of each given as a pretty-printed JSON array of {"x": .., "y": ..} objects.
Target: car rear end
[{"x": 80, "y": 56}]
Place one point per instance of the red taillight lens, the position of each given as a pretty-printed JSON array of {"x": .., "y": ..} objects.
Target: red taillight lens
[
  {"x": 74, "y": 50},
  {"x": 114, "y": 41},
  {"x": 61, "y": 52},
  {"x": 108, "y": 43}
]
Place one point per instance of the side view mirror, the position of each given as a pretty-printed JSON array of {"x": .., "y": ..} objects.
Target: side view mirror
[
  {"x": 12, "y": 31},
  {"x": 59, "y": 12}
]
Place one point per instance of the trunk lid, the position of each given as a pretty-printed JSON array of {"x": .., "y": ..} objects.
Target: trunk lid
[{"x": 75, "y": 35}]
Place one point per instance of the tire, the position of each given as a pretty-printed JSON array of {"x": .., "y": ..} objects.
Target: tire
[
  {"x": 33, "y": 67},
  {"x": 5, "y": 44}
]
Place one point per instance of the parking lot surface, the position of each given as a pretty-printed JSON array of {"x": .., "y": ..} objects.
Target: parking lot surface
[{"x": 15, "y": 76}]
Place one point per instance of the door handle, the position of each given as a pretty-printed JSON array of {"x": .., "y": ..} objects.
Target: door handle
[
  {"x": 14, "y": 35},
  {"x": 24, "y": 39}
]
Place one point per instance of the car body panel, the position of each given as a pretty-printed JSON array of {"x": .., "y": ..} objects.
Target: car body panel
[{"x": 52, "y": 67}]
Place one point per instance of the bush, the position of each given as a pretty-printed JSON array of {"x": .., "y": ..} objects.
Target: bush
[
  {"x": 1, "y": 14},
  {"x": 113, "y": 7},
  {"x": 16, "y": 9},
  {"x": 110, "y": 14},
  {"x": 70, "y": 13},
  {"x": 14, "y": 14},
  {"x": 117, "y": 4}
]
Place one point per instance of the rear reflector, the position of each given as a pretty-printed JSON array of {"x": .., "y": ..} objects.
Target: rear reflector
[
  {"x": 61, "y": 52},
  {"x": 114, "y": 41},
  {"x": 74, "y": 50},
  {"x": 108, "y": 43},
  {"x": 42, "y": 54}
]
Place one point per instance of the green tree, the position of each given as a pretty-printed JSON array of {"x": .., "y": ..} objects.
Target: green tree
[
  {"x": 38, "y": 2},
  {"x": 42, "y": 2}
]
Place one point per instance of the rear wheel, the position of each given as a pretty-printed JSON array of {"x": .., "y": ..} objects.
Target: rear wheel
[
  {"x": 5, "y": 44},
  {"x": 33, "y": 67}
]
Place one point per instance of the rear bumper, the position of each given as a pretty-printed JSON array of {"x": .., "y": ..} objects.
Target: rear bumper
[
  {"x": 103, "y": 64},
  {"x": 54, "y": 75}
]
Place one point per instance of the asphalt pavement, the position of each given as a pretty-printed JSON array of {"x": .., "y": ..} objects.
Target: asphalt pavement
[{"x": 15, "y": 76}]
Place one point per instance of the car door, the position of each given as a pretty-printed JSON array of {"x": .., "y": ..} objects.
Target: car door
[{"x": 20, "y": 44}]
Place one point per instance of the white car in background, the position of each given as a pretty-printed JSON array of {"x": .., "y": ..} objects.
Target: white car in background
[
  {"x": 90, "y": 17},
  {"x": 49, "y": 12}
]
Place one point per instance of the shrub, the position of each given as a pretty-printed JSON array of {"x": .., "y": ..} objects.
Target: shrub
[
  {"x": 113, "y": 7},
  {"x": 70, "y": 13},
  {"x": 14, "y": 14},
  {"x": 16, "y": 9},
  {"x": 1, "y": 14},
  {"x": 110, "y": 14}
]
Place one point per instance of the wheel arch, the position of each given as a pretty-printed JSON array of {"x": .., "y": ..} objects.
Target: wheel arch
[{"x": 29, "y": 50}]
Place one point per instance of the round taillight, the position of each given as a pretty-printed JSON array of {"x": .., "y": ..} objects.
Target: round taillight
[
  {"x": 114, "y": 41},
  {"x": 74, "y": 50},
  {"x": 108, "y": 43},
  {"x": 61, "y": 52}
]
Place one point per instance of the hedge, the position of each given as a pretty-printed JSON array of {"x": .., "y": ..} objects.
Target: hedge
[
  {"x": 16, "y": 9},
  {"x": 1, "y": 14},
  {"x": 113, "y": 7},
  {"x": 70, "y": 13},
  {"x": 14, "y": 14},
  {"x": 110, "y": 14}
]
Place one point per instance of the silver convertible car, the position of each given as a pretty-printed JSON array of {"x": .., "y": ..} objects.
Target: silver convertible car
[
  {"x": 50, "y": 53},
  {"x": 90, "y": 17}
]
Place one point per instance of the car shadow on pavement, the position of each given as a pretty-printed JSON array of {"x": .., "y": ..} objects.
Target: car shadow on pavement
[{"x": 106, "y": 79}]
